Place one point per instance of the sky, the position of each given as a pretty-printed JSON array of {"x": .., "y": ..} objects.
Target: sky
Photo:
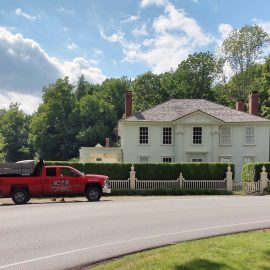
[{"x": 41, "y": 41}]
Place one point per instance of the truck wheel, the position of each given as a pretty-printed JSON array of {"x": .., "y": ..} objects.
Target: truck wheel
[
  {"x": 93, "y": 194},
  {"x": 20, "y": 196}
]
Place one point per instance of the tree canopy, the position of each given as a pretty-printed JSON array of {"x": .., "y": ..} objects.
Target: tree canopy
[{"x": 84, "y": 114}]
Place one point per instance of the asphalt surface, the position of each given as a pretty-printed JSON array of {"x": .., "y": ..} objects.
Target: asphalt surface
[{"x": 65, "y": 235}]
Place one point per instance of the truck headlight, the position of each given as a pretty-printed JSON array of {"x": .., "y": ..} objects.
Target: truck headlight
[{"x": 107, "y": 183}]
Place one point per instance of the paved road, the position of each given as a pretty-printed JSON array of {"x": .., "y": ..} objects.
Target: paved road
[{"x": 60, "y": 236}]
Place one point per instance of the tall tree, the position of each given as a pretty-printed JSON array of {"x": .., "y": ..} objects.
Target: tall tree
[
  {"x": 195, "y": 76},
  {"x": 98, "y": 120},
  {"x": 14, "y": 135},
  {"x": 112, "y": 91},
  {"x": 147, "y": 91},
  {"x": 53, "y": 131},
  {"x": 241, "y": 49}
]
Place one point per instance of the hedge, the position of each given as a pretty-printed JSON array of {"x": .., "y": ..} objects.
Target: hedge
[
  {"x": 251, "y": 171},
  {"x": 152, "y": 171}
]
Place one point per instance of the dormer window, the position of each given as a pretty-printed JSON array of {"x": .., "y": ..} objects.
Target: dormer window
[{"x": 197, "y": 135}]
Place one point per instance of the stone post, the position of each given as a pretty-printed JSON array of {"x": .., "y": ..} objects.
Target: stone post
[
  {"x": 132, "y": 178},
  {"x": 181, "y": 179},
  {"x": 229, "y": 178},
  {"x": 263, "y": 180}
]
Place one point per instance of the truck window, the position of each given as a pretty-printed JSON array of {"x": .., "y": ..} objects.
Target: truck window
[
  {"x": 68, "y": 172},
  {"x": 50, "y": 171}
]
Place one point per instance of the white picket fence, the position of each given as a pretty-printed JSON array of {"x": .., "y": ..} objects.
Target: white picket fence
[
  {"x": 120, "y": 184},
  {"x": 237, "y": 186},
  {"x": 205, "y": 184},
  {"x": 251, "y": 187},
  {"x": 156, "y": 184},
  {"x": 181, "y": 182}
]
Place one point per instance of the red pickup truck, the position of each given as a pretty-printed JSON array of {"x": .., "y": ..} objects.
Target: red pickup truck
[{"x": 53, "y": 181}]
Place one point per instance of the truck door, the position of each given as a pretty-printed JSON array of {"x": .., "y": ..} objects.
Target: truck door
[
  {"x": 53, "y": 184},
  {"x": 70, "y": 176}
]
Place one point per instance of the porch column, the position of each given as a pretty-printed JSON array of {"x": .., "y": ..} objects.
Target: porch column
[
  {"x": 179, "y": 132},
  {"x": 215, "y": 143}
]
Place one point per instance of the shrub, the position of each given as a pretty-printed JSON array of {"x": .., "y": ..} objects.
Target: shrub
[
  {"x": 152, "y": 171},
  {"x": 251, "y": 171}
]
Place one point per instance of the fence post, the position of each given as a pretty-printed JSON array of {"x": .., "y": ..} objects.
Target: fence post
[
  {"x": 229, "y": 179},
  {"x": 181, "y": 178},
  {"x": 263, "y": 180},
  {"x": 132, "y": 178}
]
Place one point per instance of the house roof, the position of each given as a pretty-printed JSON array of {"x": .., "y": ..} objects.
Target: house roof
[{"x": 174, "y": 109}]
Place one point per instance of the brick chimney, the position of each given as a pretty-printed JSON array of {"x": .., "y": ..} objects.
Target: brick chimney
[
  {"x": 128, "y": 104},
  {"x": 107, "y": 142},
  {"x": 253, "y": 103},
  {"x": 240, "y": 106}
]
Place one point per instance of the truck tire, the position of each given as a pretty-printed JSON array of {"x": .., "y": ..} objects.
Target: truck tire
[
  {"x": 20, "y": 196},
  {"x": 93, "y": 194}
]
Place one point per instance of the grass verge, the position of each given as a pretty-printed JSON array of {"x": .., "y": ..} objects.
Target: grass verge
[{"x": 247, "y": 251}]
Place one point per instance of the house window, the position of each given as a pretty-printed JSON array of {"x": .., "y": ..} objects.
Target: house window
[
  {"x": 225, "y": 136},
  {"x": 249, "y": 135},
  {"x": 143, "y": 135},
  {"x": 197, "y": 160},
  {"x": 225, "y": 159},
  {"x": 197, "y": 135},
  {"x": 248, "y": 159},
  {"x": 143, "y": 159},
  {"x": 167, "y": 135},
  {"x": 167, "y": 159}
]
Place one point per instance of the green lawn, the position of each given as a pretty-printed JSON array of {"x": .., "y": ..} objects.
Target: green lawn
[{"x": 244, "y": 251}]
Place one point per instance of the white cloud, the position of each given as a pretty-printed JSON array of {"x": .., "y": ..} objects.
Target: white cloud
[
  {"x": 63, "y": 10},
  {"x": 141, "y": 31},
  {"x": 66, "y": 29},
  {"x": 175, "y": 35},
  {"x": 175, "y": 20},
  {"x": 224, "y": 30},
  {"x": 26, "y": 68},
  {"x": 116, "y": 37},
  {"x": 264, "y": 24},
  {"x": 72, "y": 46},
  {"x": 73, "y": 69},
  {"x": 131, "y": 18},
  {"x": 27, "y": 16},
  {"x": 28, "y": 103},
  {"x": 145, "y": 3}
]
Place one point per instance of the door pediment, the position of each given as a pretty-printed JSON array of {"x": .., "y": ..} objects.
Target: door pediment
[{"x": 198, "y": 117}]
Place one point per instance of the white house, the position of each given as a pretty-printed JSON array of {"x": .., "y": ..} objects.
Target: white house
[
  {"x": 101, "y": 154},
  {"x": 195, "y": 130}
]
